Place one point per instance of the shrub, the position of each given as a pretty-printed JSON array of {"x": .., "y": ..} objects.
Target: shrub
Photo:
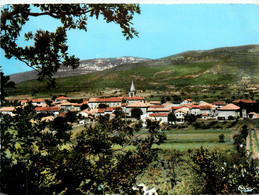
[{"x": 221, "y": 138}]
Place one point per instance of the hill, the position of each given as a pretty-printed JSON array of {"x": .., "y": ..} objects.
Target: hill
[
  {"x": 85, "y": 67},
  {"x": 217, "y": 67}
]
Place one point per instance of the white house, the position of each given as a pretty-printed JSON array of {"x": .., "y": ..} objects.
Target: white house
[
  {"x": 142, "y": 106},
  {"x": 111, "y": 102},
  {"x": 130, "y": 100},
  {"x": 61, "y": 98},
  {"x": 49, "y": 110},
  {"x": 163, "y": 117},
  {"x": 7, "y": 110},
  {"x": 195, "y": 110},
  {"x": 180, "y": 114},
  {"x": 228, "y": 110}
]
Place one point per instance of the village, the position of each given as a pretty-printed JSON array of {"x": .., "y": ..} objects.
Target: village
[{"x": 134, "y": 106}]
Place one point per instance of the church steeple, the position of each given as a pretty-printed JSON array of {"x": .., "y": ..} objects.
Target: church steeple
[{"x": 132, "y": 91}]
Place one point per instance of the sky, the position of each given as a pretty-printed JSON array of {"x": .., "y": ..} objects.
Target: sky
[{"x": 163, "y": 30}]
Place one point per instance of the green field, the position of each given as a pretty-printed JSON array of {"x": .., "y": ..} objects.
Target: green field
[{"x": 189, "y": 139}]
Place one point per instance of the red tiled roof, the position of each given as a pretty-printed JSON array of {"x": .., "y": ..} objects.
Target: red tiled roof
[
  {"x": 137, "y": 105},
  {"x": 245, "y": 101},
  {"x": 195, "y": 107},
  {"x": 219, "y": 103},
  {"x": 155, "y": 102},
  {"x": 62, "y": 114},
  {"x": 101, "y": 110},
  {"x": 37, "y": 100},
  {"x": 133, "y": 98},
  {"x": 24, "y": 101},
  {"x": 84, "y": 102},
  {"x": 123, "y": 104},
  {"x": 158, "y": 114},
  {"x": 184, "y": 111},
  {"x": 176, "y": 107},
  {"x": 156, "y": 106},
  {"x": 158, "y": 109},
  {"x": 230, "y": 107},
  {"x": 78, "y": 104},
  {"x": 205, "y": 107},
  {"x": 47, "y": 109},
  {"x": 111, "y": 99},
  {"x": 7, "y": 109},
  {"x": 110, "y": 109},
  {"x": 190, "y": 100},
  {"x": 62, "y": 98}
]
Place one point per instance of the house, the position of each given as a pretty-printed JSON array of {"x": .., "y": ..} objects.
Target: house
[
  {"x": 219, "y": 104},
  {"x": 163, "y": 117},
  {"x": 228, "y": 110},
  {"x": 155, "y": 102},
  {"x": 195, "y": 109},
  {"x": 38, "y": 102},
  {"x": 253, "y": 115},
  {"x": 187, "y": 101},
  {"x": 159, "y": 110},
  {"x": 35, "y": 102},
  {"x": 244, "y": 101},
  {"x": 206, "y": 109},
  {"x": 49, "y": 110},
  {"x": 76, "y": 107},
  {"x": 130, "y": 100},
  {"x": 7, "y": 110},
  {"x": 142, "y": 106},
  {"x": 66, "y": 106},
  {"x": 61, "y": 98},
  {"x": 180, "y": 114},
  {"x": 111, "y": 102}
]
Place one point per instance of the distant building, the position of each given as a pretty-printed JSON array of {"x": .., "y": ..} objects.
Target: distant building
[{"x": 229, "y": 110}]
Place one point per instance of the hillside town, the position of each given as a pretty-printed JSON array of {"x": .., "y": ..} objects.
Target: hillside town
[{"x": 88, "y": 110}]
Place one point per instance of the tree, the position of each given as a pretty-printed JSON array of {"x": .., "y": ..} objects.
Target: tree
[
  {"x": 221, "y": 138},
  {"x": 84, "y": 106},
  {"x": 191, "y": 118},
  {"x": 136, "y": 113},
  {"x": 71, "y": 116},
  {"x": 48, "y": 102},
  {"x": 5, "y": 83},
  {"x": 171, "y": 117},
  {"x": 41, "y": 158},
  {"x": 103, "y": 106},
  {"x": 49, "y": 50}
]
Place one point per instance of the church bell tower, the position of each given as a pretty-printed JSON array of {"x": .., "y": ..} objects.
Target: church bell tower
[{"x": 132, "y": 91}]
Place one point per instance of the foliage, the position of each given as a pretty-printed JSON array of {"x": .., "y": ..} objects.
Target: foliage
[
  {"x": 190, "y": 118},
  {"x": 221, "y": 138},
  {"x": 48, "y": 102},
  {"x": 218, "y": 176},
  {"x": 5, "y": 83},
  {"x": 49, "y": 50},
  {"x": 136, "y": 113},
  {"x": 84, "y": 106},
  {"x": 103, "y": 106},
  {"x": 71, "y": 116},
  {"x": 240, "y": 140},
  {"x": 40, "y": 157},
  {"x": 171, "y": 117}
]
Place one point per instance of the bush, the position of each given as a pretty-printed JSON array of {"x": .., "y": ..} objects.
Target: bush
[
  {"x": 231, "y": 117},
  {"x": 221, "y": 138}
]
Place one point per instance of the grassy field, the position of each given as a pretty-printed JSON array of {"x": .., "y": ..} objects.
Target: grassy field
[{"x": 188, "y": 139}]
